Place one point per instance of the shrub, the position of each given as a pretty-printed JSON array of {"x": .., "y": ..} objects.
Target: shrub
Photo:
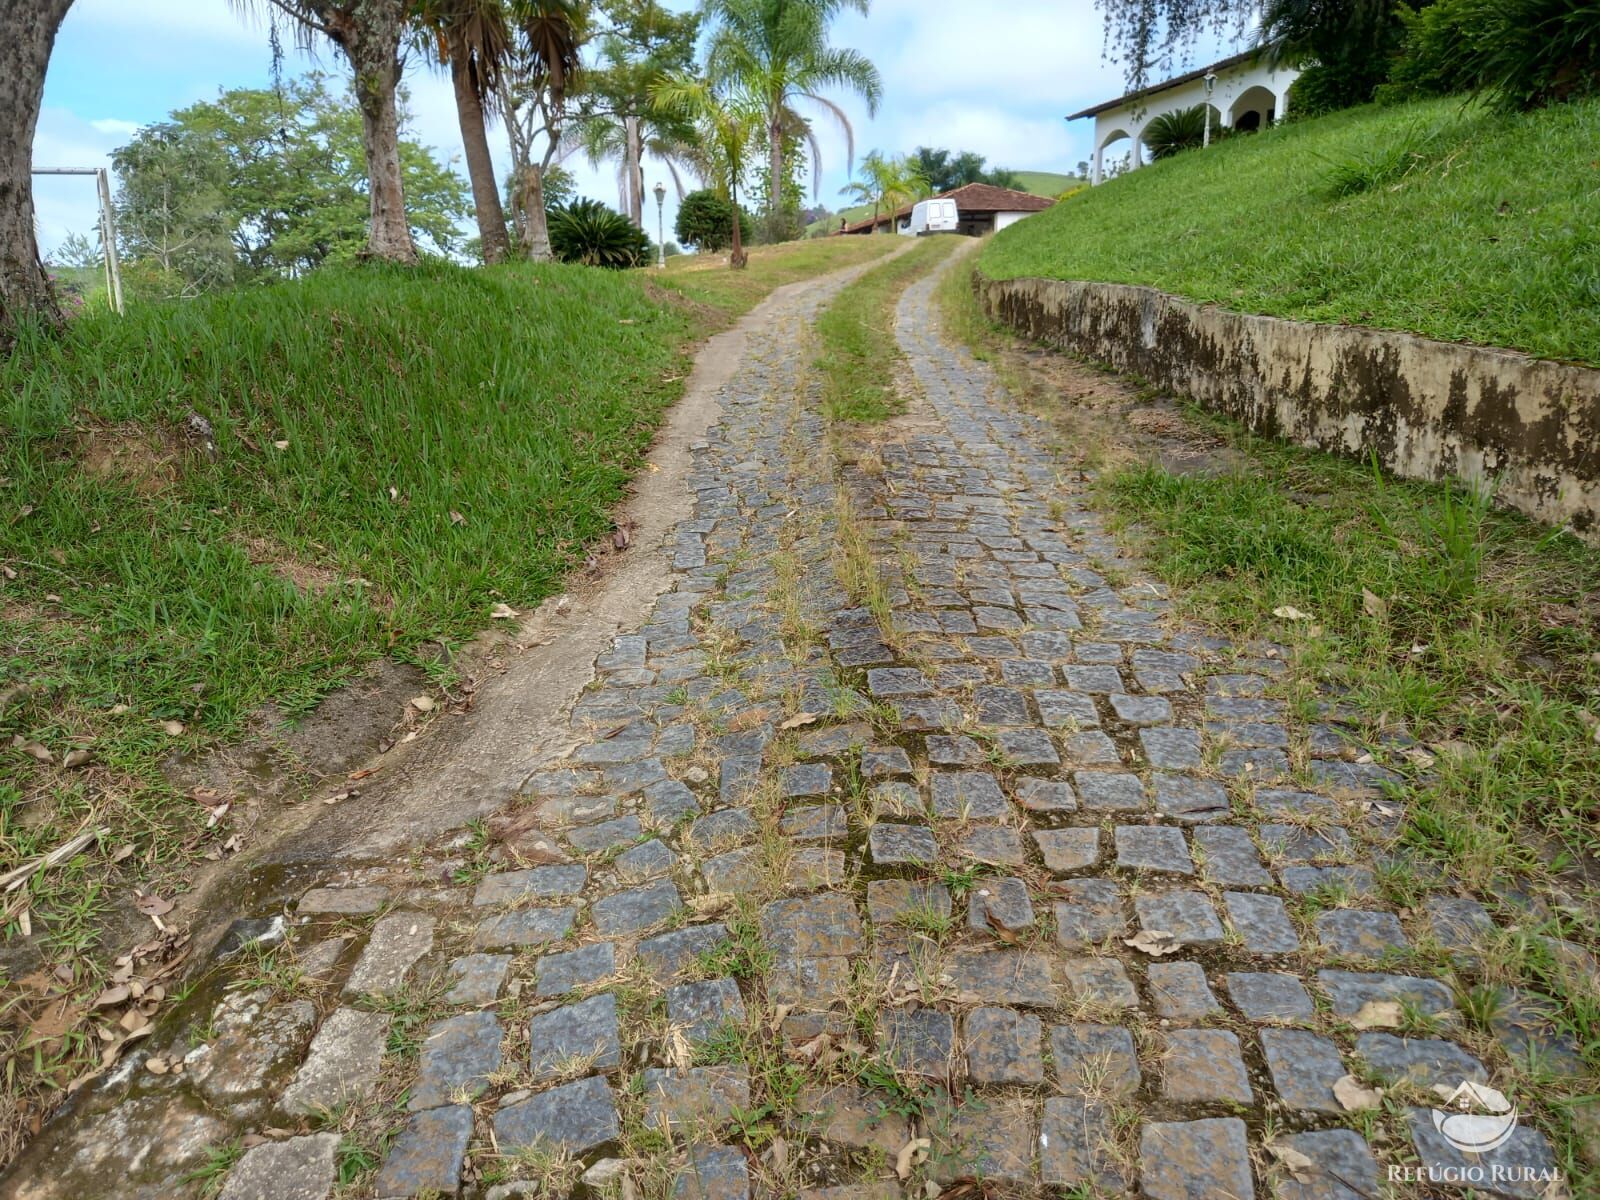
[
  {"x": 705, "y": 221},
  {"x": 1522, "y": 53},
  {"x": 588, "y": 232},
  {"x": 1182, "y": 129}
]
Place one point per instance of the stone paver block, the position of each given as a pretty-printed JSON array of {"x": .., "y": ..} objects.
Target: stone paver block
[
  {"x": 1522, "y": 1167},
  {"x": 808, "y": 983},
  {"x": 343, "y": 1063},
  {"x": 1184, "y": 798},
  {"x": 540, "y": 883},
  {"x": 1304, "y": 1068},
  {"x": 607, "y": 835},
  {"x": 1187, "y": 916},
  {"x": 1204, "y": 1065},
  {"x": 1091, "y": 912},
  {"x": 725, "y": 827},
  {"x": 881, "y": 762},
  {"x": 648, "y": 860},
  {"x": 736, "y": 871},
  {"x": 1096, "y": 1060},
  {"x": 824, "y": 926},
  {"x": 1045, "y": 795},
  {"x": 677, "y": 1096},
  {"x": 427, "y": 1156},
  {"x": 1110, "y": 791},
  {"x": 575, "y": 1039},
  {"x": 889, "y": 682},
  {"x": 713, "y": 1173},
  {"x": 1425, "y": 1062},
  {"x": 999, "y": 904},
  {"x": 921, "y": 1041},
  {"x": 1153, "y": 848},
  {"x": 815, "y": 823},
  {"x": 1027, "y": 748},
  {"x": 477, "y": 978},
  {"x": 636, "y": 910},
  {"x": 1349, "y": 991},
  {"x": 894, "y": 845},
  {"x": 668, "y": 802},
  {"x": 906, "y": 901},
  {"x": 1262, "y": 922},
  {"x": 575, "y": 1117},
  {"x": 299, "y": 1168},
  {"x": 458, "y": 1056},
  {"x": 1091, "y": 748},
  {"x": 1523, "y": 1025},
  {"x": 397, "y": 941},
  {"x": 1105, "y": 680},
  {"x": 702, "y": 1008},
  {"x": 984, "y": 1138},
  {"x": 1195, "y": 1160},
  {"x": 1228, "y": 856},
  {"x": 1269, "y": 996},
  {"x": 1180, "y": 990},
  {"x": 1360, "y": 933},
  {"x": 1066, "y": 710},
  {"x": 1341, "y": 1167},
  {"x": 1171, "y": 749},
  {"x": 1141, "y": 710},
  {"x": 524, "y": 927},
  {"x": 666, "y": 954},
  {"x": 255, "y": 1049},
  {"x": 1017, "y": 977},
  {"x": 1457, "y": 922},
  {"x": 967, "y": 796},
  {"x": 851, "y": 1116},
  {"x": 1066, "y": 850},
  {"x": 997, "y": 845},
  {"x": 1348, "y": 880},
  {"x": 814, "y": 867},
  {"x": 557, "y": 974},
  {"x": 349, "y": 901},
  {"x": 1100, "y": 981},
  {"x": 806, "y": 779},
  {"x": 954, "y": 750},
  {"x": 1077, "y": 1141},
  {"x": 1003, "y": 1046}
]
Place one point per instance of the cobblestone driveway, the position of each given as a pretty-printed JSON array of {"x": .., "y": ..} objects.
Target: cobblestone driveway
[{"x": 982, "y": 868}]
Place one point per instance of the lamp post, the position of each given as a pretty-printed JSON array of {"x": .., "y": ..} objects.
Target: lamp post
[
  {"x": 1211, "y": 84},
  {"x": 661, "y": 227}
]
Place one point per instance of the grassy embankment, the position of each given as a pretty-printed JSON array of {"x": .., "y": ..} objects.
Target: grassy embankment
[
  {"x": 213, "y": 506},
  {"x": 1464, "y": 641},
  {"x": 1439, "y": 218}
]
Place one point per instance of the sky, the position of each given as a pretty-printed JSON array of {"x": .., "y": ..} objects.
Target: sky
[{"x": 953, "y": 76}]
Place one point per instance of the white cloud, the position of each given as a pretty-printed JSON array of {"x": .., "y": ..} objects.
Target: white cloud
[{"x": 115, "y": 125}]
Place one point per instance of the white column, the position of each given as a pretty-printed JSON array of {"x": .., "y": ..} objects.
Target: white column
[{"x": 1097, "y": 175}]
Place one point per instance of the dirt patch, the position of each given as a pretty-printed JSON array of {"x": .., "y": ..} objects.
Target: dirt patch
[
  {"x": 137, "y": 456},
  {"x": 307, "y": 577}
]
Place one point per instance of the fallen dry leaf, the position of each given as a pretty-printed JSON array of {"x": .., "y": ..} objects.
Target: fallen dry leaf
[
  {"x": 1354, "y": 1095},
  {"x": 152, "y": 905},
  {"x": 112, "y": 996},
  {"x": 77, "y": 758},
  {"x": 1154, "y": 942},
  {"x": 156, "y": 1066},
  {"x": 799, "y": 719},
  {"x": 422, "y": 703},
  {"x": 503, "y": 612},
  {"x": 37, "y": 752},
  {"x": 1373, "y": 605},
  {"x": 172, "y": 728},
  {"x": 456, "y": 518},
  {"x": 1379, "y": 1014},
  {"x": 1288, "y": 612},
  {"x": 909, "y": 1155},
  {"x": 1299, "y": 1165}
]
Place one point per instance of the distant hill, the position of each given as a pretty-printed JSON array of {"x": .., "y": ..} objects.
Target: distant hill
[{"x": 1039, "y": 183}]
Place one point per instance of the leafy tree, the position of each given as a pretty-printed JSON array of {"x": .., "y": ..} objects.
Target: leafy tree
[
  {"x": 886, "y": 184},
  {"x": 78, "y": 252},
  {"x": 726, "y": 120},
  {"x": 1004, "y": 177},
  {"x": 27, "y": 34},
  {"x": 1347, "y": 47},
  {"x": 705, "y": 221},
  {"x": 368, "y": 32},
  {"x": 778, "y": 52},
  {"x": 588, "y": 232},
  {"x": 283, "y": 173},
  {"x": 945, "y": 171},
  {"x": 173, "y": 206},
  {"x": 543, "y": 67},
  {"x": 615, "y": 120},
  {"x": 472, "y": 40}
]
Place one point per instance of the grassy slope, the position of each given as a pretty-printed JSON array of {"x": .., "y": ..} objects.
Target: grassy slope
[
  {"x": 506, "y": 410},
  {"x": 706, "y": 279},
  {"x": 1492, "y": 238}
]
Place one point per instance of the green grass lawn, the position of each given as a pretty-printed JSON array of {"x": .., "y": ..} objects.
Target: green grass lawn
[
  {"x": 706, "y": 279},
  {"x": 1454, "y": 222}
]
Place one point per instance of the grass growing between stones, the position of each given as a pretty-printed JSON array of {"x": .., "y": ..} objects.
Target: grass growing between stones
[
  {"x": 858, "y": 351},
  {"x": 1460, "y": 642},
  {"x": 1480, "y": 235}
]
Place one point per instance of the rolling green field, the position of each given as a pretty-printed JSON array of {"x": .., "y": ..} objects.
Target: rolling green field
[
  {"x": 1040, "y": 183},
  {"x": 1440, "y": 218}
]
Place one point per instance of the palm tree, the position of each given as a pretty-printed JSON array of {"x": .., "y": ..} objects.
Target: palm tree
[
  {"x": 1181, "y": 129},
  {"x": 543, "y": 65},
  {"x": 472, "y": 38},
  {"x": 886, "y": 183},
  {"x": 778, "y": 51},
  {"x": 369, "y": 33},
  {"x": 726, "y": 120},
  {"x": 604, "y": 135}
]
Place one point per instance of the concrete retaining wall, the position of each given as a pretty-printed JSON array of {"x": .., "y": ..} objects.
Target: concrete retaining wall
[{"x": 1430, "y": 410}]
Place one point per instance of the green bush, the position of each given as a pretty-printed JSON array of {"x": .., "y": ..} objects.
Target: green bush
[
  {"x": 588, "y": 232},
  {"x": 1182, "y": 129},
  {"x": 705, "y": 221},
  {"x": 1522, "y": 53}
]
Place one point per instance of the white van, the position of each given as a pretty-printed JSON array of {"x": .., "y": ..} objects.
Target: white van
[{"x": 932, "y": 216}]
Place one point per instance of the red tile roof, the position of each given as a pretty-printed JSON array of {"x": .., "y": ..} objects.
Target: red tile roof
[{"x": 970, "y": 198}]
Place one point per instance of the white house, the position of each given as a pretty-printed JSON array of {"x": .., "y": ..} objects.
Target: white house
[{"x": 1243, "y": 91}]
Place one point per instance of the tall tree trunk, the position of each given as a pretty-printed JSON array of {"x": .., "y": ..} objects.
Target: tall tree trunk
[
  {"x": 480, "y": 165},
  {"x": 737, "y": 257},
  {"x": 536, "y": 229},
  {"x": 368, "y": 31},
  {"x": 633, "y": 169},
  {"x": 775, "y": 182},
  {"x": 27, "y": 32}
]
